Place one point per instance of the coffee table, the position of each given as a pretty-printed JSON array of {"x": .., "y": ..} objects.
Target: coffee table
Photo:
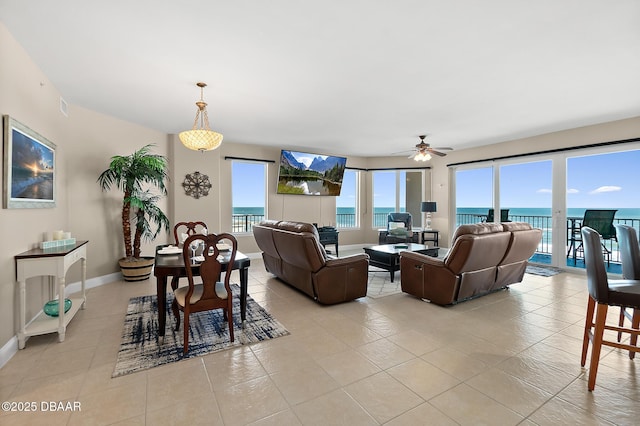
[{"x": 387, "y": 256}]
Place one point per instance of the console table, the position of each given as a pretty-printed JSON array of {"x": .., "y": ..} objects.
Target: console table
[
  {"x": 328, "y": 236},
  {"x": 53, "y": 262}
]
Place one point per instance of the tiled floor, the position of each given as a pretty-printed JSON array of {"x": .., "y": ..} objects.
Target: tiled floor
[{"x": 512, "y": 357}]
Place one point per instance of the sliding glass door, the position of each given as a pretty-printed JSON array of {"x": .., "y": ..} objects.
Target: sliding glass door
[
  {"x": 526, "y": 196},
  {"x": 474, "y": 195},
  {"x": 552, "y": 193},
  {"x": 604, "y": 181}
]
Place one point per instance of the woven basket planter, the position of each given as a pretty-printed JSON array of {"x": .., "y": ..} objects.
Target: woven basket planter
[{"x": 137, "y": 270}]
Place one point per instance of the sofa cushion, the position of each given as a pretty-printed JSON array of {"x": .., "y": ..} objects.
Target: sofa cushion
[
  {"x": 298, "y": 227},
  {"x": 477, "y": 229},
  {"x": 400, "y": 231},
  {"x": 516, "y": 226}
]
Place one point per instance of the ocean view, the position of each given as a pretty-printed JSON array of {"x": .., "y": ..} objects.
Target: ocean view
[
  {"x": 345, "y": 214},
  {"x": 623, "y": 213}
]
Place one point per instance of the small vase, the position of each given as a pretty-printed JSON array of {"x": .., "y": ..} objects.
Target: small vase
[{"x": 51, "y": 307}]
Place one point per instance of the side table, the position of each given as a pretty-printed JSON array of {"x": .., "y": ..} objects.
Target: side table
[
  {"x": 328, "y": 236},
  {"x": 54, "y": 262},
  {"x": 433, "y": 238}
]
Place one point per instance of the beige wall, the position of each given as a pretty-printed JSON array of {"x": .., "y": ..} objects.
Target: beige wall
[{"x": 84, "y": 141}]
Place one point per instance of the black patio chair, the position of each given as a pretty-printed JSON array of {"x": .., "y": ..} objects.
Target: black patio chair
[
  {"x": 602, "y": 222},
  {"x": 504, "y": 215}
]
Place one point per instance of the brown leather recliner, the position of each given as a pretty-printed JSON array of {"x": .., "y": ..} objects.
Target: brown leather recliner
[
  {"x": 292, "y": 252},
  {"x": 483, "y": 258}
]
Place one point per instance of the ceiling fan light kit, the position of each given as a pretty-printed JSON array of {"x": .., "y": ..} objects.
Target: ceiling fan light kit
[
  {"x": 201, "y": 137},
  {"x": 424, "y": 150}
]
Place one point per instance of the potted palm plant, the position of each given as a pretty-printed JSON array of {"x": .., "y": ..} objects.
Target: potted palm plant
[{"x": 136, "y": 175}]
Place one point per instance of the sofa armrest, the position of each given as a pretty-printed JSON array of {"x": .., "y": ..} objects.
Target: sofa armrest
[
  {"x": 342, "y": 279},
  {"x": 341, "y": 261},
  {"x": 428, "y": 277},
  {"x": 423, "y": 258}
]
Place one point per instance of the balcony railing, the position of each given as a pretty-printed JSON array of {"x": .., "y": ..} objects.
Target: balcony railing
[
  {"x": 346, "y": 220},
  {"x": 245, "y": 222}
]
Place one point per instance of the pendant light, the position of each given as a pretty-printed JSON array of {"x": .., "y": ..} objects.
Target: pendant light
[{"x": 201, "y": 137}]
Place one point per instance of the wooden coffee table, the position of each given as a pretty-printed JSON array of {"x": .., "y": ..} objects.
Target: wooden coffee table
[{"x": 387, "y": 256}]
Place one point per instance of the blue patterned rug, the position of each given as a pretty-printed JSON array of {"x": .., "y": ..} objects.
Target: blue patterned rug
[{"x": 140, "y": 348}]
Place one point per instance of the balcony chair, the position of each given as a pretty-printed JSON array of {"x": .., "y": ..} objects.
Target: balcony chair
[
  {"x": 630, "y": 258},
  {"x": 181, "y": 231},
  {"x": 504, "y": 215},
  {"x": 399, "y": 229},
  {"x": 602, "y": 222},
  {"x": 602, "y": 294},
  {"x": 212, "y": 293}
]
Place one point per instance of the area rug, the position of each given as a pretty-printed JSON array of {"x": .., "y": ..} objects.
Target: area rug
[
  {"x": 140, "y": 348},
  {"x": 380, "y": 285},
  {"x": 544, "y": 271}
]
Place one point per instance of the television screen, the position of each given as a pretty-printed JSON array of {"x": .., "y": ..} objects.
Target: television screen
[{"x": 310, "y": 174}]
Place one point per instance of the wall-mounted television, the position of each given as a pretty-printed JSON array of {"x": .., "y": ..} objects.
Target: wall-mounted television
[{"x": 310, "y": 174}]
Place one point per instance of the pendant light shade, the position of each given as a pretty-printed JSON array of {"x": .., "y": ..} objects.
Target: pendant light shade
[{"x": 201, "y": 137}]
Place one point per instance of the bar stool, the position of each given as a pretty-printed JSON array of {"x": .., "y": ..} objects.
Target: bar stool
[
  {"x": 602, "y": 294},
  {"x": 630, "y": 257}
]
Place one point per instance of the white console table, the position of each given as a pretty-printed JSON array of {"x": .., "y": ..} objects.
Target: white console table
[{"x": 53, "y": 262}]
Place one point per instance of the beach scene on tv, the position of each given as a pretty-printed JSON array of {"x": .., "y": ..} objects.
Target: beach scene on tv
[
  {"x": 310, "y": 174},
  {"x": 31, "y": 169}
]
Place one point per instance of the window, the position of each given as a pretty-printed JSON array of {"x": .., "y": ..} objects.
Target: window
[
  {"x": 248, "y": 194},
  {"x": 347, "y": 201},
  {"x": 474, "y": 195},
  {"x": 396, "y": 191}
]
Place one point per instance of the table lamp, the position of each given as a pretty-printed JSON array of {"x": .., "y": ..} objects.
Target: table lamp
[{"x": 428, "y": 207}]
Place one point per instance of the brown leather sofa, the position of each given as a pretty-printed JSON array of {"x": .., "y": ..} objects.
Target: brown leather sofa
[
  {"x": 484, "y": 257},
  {"x": 292, "y": 252}
]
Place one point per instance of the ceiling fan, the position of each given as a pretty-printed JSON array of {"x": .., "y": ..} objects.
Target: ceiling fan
[{"x": 423, "y": 150}]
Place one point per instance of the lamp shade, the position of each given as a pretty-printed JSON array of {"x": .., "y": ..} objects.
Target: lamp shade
[{"x": 428, "y": 207}]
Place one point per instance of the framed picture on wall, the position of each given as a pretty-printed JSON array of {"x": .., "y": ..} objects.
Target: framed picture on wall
[{"x": 29, "y": 167}]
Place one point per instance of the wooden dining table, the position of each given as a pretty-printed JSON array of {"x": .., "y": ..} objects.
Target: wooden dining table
[{"x": 173, "y": 265}]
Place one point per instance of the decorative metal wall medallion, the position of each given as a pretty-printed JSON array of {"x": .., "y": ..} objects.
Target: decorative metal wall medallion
[{"x": 197, "y": 185}]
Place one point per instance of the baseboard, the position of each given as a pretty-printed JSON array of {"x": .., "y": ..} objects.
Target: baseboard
[
  {"x": 11, "y": 347},
  {"x": 92, "y": 282},
  {"x": 8, "y": 350}
]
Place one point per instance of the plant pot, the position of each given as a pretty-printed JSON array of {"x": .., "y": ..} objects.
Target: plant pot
[{"x": 136, "y": 270}]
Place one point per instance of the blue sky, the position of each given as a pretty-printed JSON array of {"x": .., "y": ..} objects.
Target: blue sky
[
  {"x": 597, "y": 181},
  {"x": 248, "y": 183}
]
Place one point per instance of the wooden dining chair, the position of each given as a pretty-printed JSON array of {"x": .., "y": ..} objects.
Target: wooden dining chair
[
  {"x": 188, "y": 229},
  {"x": 630, "y": 258},
  {"x": 602, "y": 294},
  {"x": 212, "y": 293}
]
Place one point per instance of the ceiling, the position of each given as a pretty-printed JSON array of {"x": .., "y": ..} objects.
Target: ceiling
[{"x": 342, "y": 77}]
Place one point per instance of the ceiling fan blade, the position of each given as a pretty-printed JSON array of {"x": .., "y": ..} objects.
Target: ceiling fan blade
[
  {"x": 439, "y": 154},
  {"x": 443, "y": 148}
]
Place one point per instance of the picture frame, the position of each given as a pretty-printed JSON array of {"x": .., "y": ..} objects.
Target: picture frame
[{"x": 29, "y": 162}]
